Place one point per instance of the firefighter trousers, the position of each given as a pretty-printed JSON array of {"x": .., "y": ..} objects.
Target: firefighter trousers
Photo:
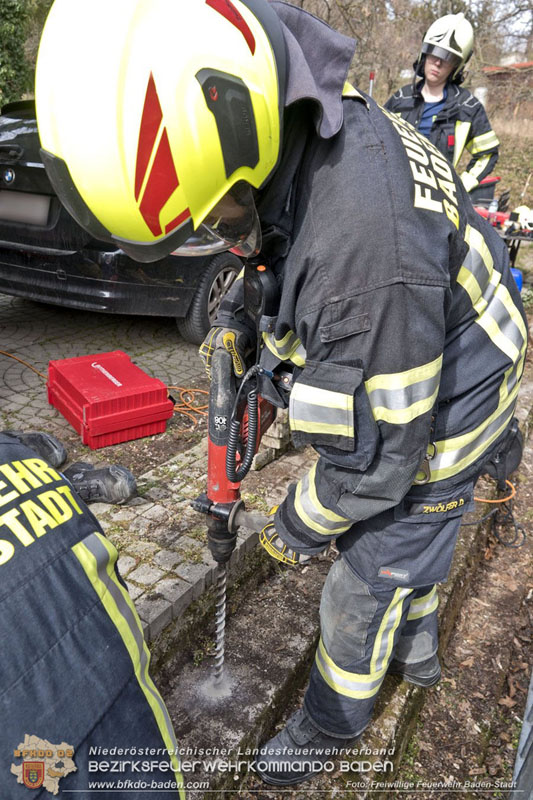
[{"x": 380, "y": 601}]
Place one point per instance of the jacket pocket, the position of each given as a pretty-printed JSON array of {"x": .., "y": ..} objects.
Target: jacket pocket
[
  {"x": 358, "y": 323},
  {"x": 329, "y": 409}
]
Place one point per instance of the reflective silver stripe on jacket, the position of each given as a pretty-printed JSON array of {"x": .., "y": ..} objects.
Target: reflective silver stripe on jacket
[
  {"x": 485, "y": 141},
  {"x": 399, "y": 397},
  {"x": 502, "y": 322},
  {"x": 315, "y": 410},
  {"x": 312, "y": 513}
]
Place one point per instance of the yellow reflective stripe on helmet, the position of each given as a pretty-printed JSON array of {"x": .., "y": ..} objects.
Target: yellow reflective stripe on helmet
[
  {"x": 290, "y": 348},
  {"x": 399, "y": 397},
  {"x": 384, "y": 642},
  {"x": 316, "y": 410},
  {"x": 462, "y": 129},
  {"x": 484, "y": 141},
  {"x": 423, "y": 606},
  {"x": 311, "y": 511},
  {"x": 363, "y": 685},
  {"x": 97, "y": 555}
]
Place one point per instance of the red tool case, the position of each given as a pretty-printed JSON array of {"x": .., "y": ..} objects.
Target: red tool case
[{"x": 108, "y": 399}]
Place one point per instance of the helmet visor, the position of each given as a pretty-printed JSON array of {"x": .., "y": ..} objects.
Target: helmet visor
[
  {"x": 232, "y": 224},
  {"x": 440, "y": 52}
]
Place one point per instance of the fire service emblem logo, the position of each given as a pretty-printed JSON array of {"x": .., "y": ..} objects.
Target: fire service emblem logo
[
  {"x": 43, "y": 763},
  {"x": 33, "y": 774}
]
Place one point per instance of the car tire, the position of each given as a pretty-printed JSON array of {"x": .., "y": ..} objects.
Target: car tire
[{"x": 216, "y": 281}]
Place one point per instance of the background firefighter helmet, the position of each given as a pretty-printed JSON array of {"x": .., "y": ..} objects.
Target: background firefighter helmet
[
  {"x": 163, "y": 110},
  {"x": 451, "y": 38}
]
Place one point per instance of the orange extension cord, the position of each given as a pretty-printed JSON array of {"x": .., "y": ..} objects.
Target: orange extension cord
[
  {"x": 500, "y": 499},
  {"x": 187, "y": 396}
]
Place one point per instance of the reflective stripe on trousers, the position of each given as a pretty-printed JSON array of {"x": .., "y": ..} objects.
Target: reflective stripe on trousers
[
  {"x": 97, "y": 556},
  {"x": 361, "y": 629}
]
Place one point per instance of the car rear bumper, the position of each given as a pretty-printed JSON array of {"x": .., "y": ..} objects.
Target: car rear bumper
[{"x": 33, "y": 277}]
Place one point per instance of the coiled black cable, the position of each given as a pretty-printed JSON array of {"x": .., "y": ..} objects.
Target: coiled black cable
[{"x": 233, "y": 473}]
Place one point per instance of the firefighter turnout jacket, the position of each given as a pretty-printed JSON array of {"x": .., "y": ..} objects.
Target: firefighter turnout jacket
[
  {"x": 461, "y": 124},
  {"x": 399, "y": 315},
  {"x": 77, "y": 703}
]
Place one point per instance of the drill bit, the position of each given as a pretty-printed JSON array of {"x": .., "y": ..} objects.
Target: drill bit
[{"x": 220, "y": 621}]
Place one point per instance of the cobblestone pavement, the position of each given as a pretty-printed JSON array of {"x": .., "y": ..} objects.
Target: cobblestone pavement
[{"x": 38, "y": 333}]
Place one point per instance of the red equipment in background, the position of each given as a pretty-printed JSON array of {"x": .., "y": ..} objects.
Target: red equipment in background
[{"x": 107, "y": 398}]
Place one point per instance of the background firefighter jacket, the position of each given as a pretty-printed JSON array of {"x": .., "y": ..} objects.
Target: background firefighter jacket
[
  {"x": 74, "y": 666},
  {"x": 462, "y": 123},
  {"x": 398, "y": 310}
]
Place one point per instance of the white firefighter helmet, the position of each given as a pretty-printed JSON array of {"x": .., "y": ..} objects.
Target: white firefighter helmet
[
  {"x": 524, "y": 215},
  {"x": 450, "y": 38}
]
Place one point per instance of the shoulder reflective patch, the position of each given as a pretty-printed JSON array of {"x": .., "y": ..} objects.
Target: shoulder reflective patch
[
  {"x": 97, "y": 555},
  {"x": 496, "y": 310}
]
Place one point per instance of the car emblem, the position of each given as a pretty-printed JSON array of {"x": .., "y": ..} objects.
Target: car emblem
[{"x": 8, "y": 176}]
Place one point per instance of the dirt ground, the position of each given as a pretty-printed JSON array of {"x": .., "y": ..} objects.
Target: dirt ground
[{"x": 469, "y": 728}]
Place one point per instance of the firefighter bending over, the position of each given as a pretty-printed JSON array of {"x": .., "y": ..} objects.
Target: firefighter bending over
[{"x": 229, "y": 125}]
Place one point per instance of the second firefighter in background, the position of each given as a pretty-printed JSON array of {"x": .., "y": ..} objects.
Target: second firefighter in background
[{"x": 436, "y": 104}]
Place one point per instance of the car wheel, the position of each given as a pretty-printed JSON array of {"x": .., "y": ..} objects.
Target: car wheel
[{"x": 217, "y": 279}]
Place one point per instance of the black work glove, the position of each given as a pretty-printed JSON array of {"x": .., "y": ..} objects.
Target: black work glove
[{"x": 235, "y": 342}]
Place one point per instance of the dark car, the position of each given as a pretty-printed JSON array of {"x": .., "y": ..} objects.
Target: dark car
[{"x": 46, "y": 256}]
